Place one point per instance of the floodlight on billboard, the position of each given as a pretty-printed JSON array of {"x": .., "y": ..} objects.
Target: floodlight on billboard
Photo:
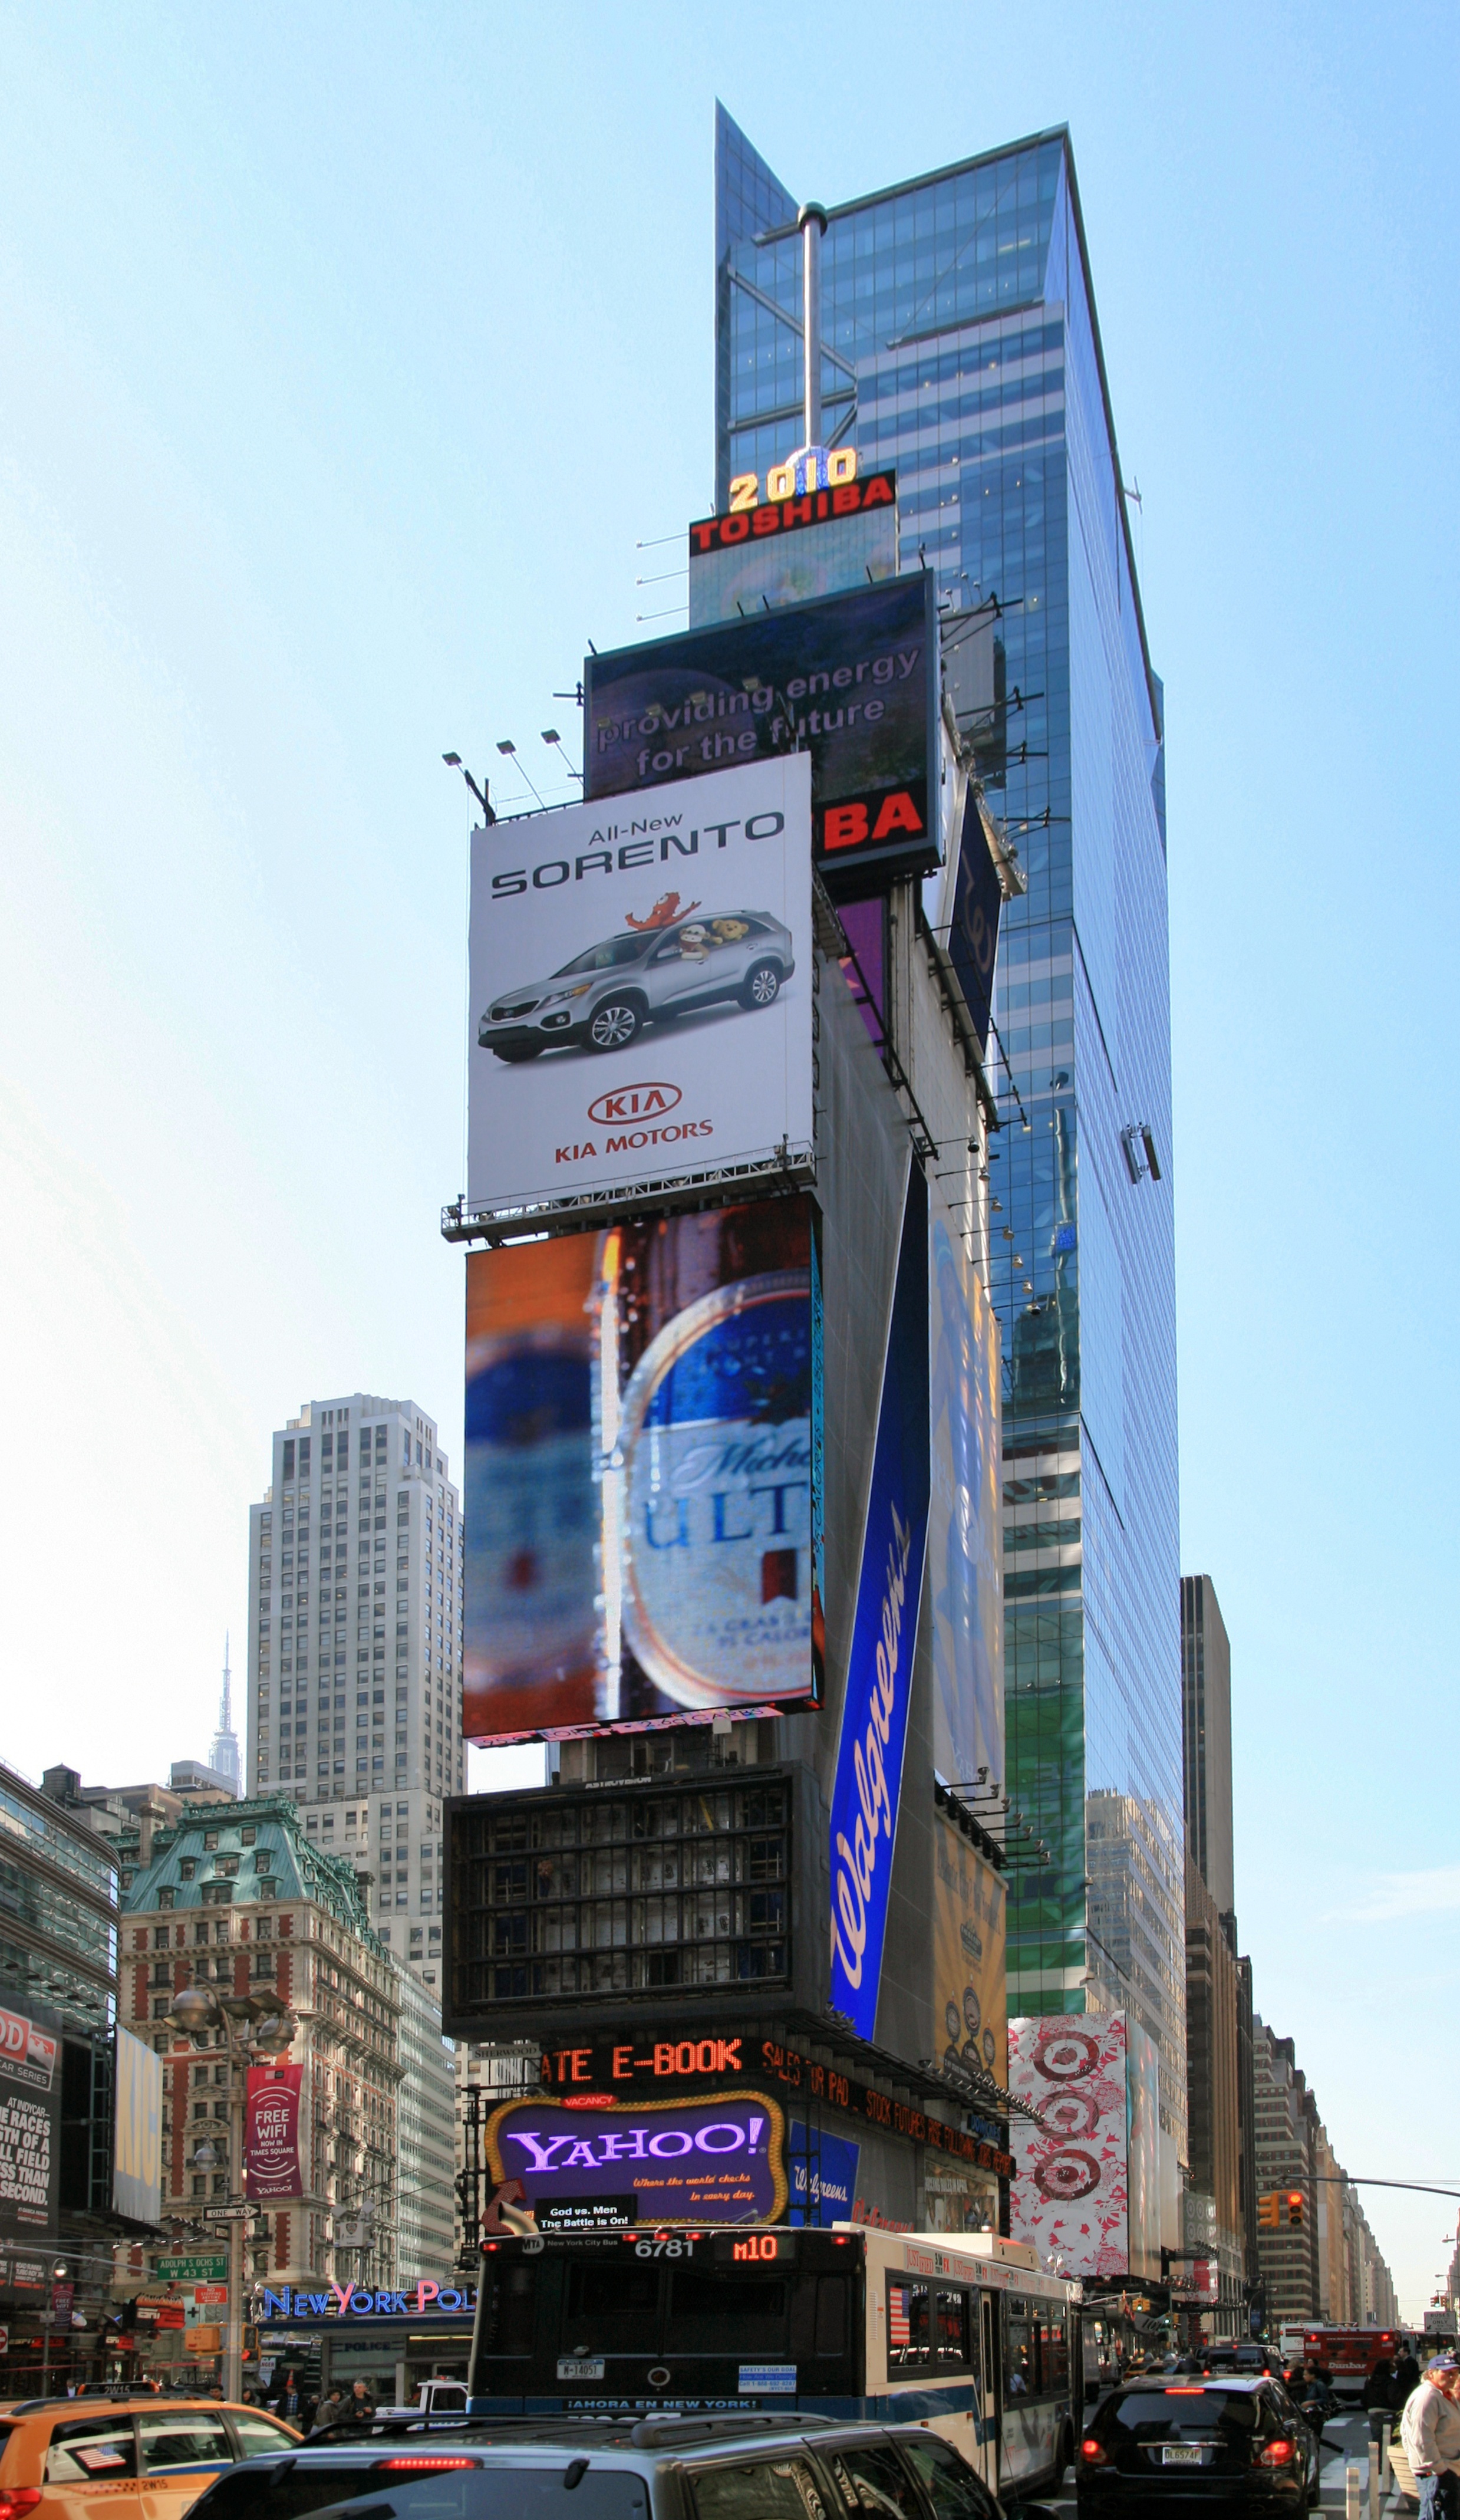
[
  {"x": 642, "y": 992},
  {"x": 644, "y": 1479},
  {"x": 853, "y": 680}
]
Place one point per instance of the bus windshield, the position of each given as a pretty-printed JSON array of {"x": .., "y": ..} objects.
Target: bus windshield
[{"x": 554, "y": 2314}]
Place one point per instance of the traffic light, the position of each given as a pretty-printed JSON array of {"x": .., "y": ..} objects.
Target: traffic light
[
  {"x": 1269, "y": 2218},
  {"x": 1294, "y": 2202}
]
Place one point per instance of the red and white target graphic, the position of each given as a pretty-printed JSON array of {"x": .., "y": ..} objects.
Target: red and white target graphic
[
  {"x": 1072, "y": 2113},
  {"x": 1068, "y": 2175},
  {"x": 1066, "y": 2056},
  {"x": 1068, "y": 2197}
]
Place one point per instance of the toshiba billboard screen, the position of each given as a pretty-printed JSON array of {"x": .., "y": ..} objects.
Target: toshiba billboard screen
[
  {"x": 641, "y": 989},
  {"x": 853, "y": 680}
]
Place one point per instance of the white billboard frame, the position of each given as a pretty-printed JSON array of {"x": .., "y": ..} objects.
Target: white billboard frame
[{"x": 685, "y": 910}]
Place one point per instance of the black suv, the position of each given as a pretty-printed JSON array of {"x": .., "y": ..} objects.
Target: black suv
[
  {"x": 1209, "y": 2438},
  {"x": 732, "y": 2467}
]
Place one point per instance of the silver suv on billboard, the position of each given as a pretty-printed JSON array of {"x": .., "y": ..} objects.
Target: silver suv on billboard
[{"x": 606, "y": 996}]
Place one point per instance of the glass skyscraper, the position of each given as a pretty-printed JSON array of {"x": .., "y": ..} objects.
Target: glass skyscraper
[{"x": 959, "y": 343}]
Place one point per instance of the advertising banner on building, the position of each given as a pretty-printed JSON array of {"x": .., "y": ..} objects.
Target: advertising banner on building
[
  {"x": 969, "y": 2001},
  {"x": 641, "y": 980},
  {"x": 1068, "y": 2196},
  {"x": 720, "y": 2159},
  {"x": 965, "y": 1537},
  {"x": 30, "y": 2119},
  {"x": 824, "y": 2177},
  {"x": 1144, "y": 2149},
  {"x": 973, "y": 933},
  {"x": 137, "y": 2143},
  {"x": 272, "y": 2167},
  {"x": 791, "y": 550},
  {"x": 853, "y": 681},
  {"x": 884, "y": 1632},
  {"x": 644, "y": 1479}
]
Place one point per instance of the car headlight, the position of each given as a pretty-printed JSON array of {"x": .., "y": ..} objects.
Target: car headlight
[{"x": 559, "y": 995}]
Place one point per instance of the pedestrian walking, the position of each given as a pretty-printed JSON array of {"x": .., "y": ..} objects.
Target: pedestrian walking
[
  {"x": 1431, "y": 2435},
  {"x": 360, "y": 2406},
  {"x": 1379, "y": 2401},
  {"x": 330, "y": 2410},
  {"x": 1406, "y": 2377}
]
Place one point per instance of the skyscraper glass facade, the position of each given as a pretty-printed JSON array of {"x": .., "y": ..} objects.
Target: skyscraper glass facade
[{"x": 959, "y": 343}]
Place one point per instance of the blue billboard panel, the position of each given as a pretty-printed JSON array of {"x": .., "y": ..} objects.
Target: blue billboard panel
[
  {"x": 824, "y": 2177},
  {"x": 884, "y": 1634}
]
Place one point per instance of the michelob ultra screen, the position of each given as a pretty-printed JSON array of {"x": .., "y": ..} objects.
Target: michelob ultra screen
[{"x": 643, "y": 1474}]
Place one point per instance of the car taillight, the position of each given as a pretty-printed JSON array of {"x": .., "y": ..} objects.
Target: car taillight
[
  {"x": 16, "y": 2499},
  {"x": 1092, "y": 2453},
  {"x": 395, "y": 2467},
  {"x": 1276, "y": 2453}
]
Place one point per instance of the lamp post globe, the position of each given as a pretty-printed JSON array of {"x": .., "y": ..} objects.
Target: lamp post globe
[
  {"x": 193, "y": 2009},
  {"x": 274, "y": 2033}
]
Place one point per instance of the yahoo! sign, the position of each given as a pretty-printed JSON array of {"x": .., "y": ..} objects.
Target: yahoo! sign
[{"x": 715, "y": 2160}]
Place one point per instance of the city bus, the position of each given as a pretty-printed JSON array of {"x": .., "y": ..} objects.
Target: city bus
[{"x": 963, "y": 2334}]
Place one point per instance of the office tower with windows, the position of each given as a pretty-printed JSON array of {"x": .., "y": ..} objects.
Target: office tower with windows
[
  {"x": 355, "y": 1650},
  {"x": 959, "y": 345},
  {"x": 425, "y": 2135},
  {"x": 1206, "y": 1721}
]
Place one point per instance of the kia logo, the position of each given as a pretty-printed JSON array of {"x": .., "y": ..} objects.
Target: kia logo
[{"x": 635, "y": 1103}]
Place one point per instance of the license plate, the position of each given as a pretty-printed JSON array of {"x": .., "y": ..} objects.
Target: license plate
[
  {"x": 1182, "y": 2456},
  {"x": 580, "y": 2368}
]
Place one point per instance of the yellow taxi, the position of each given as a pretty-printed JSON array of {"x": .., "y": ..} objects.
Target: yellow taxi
[{"x": 134, "y": 2457}]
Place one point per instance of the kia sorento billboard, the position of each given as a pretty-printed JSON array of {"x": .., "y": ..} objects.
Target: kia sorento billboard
[{"x": 641, "y": 974}]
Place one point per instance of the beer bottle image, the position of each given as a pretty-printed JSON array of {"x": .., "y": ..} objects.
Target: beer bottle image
[
  {"x": 714, "y": 1449},
  {"x": 531, "y": 1626}
]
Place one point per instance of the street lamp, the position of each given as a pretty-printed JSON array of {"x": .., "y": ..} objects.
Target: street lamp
[
  {"x": 253, "y": 2027},
  {"x": 56, "y": 2274}
]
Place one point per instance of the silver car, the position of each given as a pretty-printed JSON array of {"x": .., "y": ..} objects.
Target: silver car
[{"x": 606, "y": 996}]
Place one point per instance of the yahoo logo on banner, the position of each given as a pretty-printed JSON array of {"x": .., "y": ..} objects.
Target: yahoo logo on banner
[
  {"x": 720, "y": 2159},
  {"x": 884, "y": 1633}
]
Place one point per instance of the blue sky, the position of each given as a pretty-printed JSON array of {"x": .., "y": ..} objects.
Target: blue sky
[{"x": 349, "y": 356}]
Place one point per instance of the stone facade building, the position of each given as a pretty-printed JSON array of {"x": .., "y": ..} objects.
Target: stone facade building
[{"x": 236, "y": 1898}]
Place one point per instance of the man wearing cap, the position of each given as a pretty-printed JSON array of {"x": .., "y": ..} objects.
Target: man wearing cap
[{"x": 1431, "y": 2435}]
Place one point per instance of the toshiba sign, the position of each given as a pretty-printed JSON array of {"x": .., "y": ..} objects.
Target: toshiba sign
[{"x": 641, "y": 989}]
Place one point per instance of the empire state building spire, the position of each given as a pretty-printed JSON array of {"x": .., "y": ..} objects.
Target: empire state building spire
[{"x": 224, "y": 1756}]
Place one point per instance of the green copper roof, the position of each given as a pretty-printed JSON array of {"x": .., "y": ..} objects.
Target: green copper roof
[{"x": 275, "y": 1852}]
